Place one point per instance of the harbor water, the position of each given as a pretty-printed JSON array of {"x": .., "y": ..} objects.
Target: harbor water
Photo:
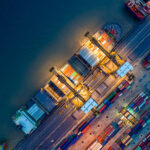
[{"x": 36, "y": 35}]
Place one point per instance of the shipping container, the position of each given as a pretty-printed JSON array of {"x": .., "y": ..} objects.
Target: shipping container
[
  {"x": 95, "y": 146},
  {"x": 140, "y": 101},
  {"x": 104, "y": 110},
  {"x": 83, "y": 126},
  {"x": 124, "y": 91},
  {"x": 101, "y": 140},
  {"x": 109, "y": 130},
  {"x": 129, "y": 141},
  {"x": 88, "y": 56},
  {"x": 135, "y": 129},
  {"x": 111, "y": 95},
  {"x": 100, "y": 106},
  {"x": 128, "y": 87},
  {"x": 71, "y": 74},
  {"x": 80, "y": 125},
  {"x": 110, "y": 105},
  {"x": 142, "y": 104},
  {"x": 79, "y": 65},
  {"x": 124, "y": 82},
  {"x": 45, "y": 100},
  {"x": 85, "y": 129},
  {"x": 114, "y": 98}
]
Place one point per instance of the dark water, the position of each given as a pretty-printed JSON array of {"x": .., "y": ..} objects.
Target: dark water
[{"x": 35, "y": 35}]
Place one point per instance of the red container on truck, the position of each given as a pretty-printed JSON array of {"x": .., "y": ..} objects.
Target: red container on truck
[
  {"x": 104, "y": 106},
  {"x": 86, "y": 129}
]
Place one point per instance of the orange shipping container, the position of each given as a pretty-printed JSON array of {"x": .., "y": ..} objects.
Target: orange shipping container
[
  {"x": 86, "y": 129},
  {"x": 101, "y": 140}
]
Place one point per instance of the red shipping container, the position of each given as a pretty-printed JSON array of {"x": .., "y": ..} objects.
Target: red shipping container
[
  {"x": 76, "y": 129},
  {"x": 146, "y": 102},
  {"x": 102, "y": 108},
  {"x": 140, "y": 121},
  {"x": 122, "y": 87},
  {"x": 140, "y": 101},
  {"x": 137, "y": 99},
  {"x": 109, "y": 131},
  {"x": 85, "y": 129},
  {"x": 126, "y": 84}
]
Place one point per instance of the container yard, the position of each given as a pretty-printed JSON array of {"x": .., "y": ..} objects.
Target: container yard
[{"x": 128, "y": 136}]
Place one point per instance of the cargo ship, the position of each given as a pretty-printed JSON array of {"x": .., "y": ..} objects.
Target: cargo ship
[
  {"x": 78, "y": 67},
  {"x": 139, "y": 8}
]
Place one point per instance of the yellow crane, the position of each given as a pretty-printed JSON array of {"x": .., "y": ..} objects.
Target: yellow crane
[
  {"x": 63, "y": 80},
  {"x": 113, "y": 56}
]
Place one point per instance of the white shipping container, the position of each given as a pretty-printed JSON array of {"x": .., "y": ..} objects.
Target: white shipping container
[{"x": 95, "y": 146}]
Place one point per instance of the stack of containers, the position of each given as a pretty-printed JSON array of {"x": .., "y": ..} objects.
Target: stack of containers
[
  {"x": 128, "y": 116},
  {"x": 144, "y": 120},
  {"x": 123, "y": 141},
  {"x": 119, "y": 143},
  {"x": 71, "y": 74},
  {"x": 109, "y": 132},
  {"x": 145, "y": 144},
  {"x": 120, "y": 124},
  {"x": 138, "y": 103},
  {"x": 123, "y": 87},
  {"x": 126, "y": 140},
  {"x": 83, "y": 127},
  {"x": 66, "y": 143},
  {"x": 102, "y": 108},
  {"x": 135, "y": 129},
  {"x": 88, "y": 56},
  {"x": 79, "y": 65},
  {"x": 107, "y": 103}
]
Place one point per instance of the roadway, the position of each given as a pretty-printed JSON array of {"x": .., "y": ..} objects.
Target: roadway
[
  {"x": 56, "y": 126},
  {"x": 136, "y": 43}
]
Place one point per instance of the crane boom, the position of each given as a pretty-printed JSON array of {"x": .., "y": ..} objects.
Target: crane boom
[{"x": 63, "y": 80}]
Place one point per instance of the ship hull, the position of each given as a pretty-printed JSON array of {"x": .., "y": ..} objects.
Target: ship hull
[{"x": 136, "y": 15}]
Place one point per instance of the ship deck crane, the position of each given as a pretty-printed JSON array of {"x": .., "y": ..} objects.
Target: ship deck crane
[
  {"x": 112, "y": 56},
  {"x": 95, "y": 42},
  {"x": 63, "y": 80}
]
